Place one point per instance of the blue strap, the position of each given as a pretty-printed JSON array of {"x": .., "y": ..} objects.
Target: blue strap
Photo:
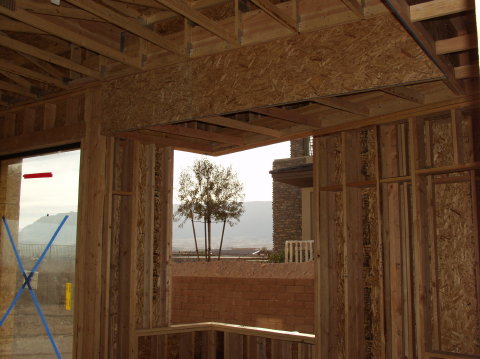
[{"x": 27, "y": 282}]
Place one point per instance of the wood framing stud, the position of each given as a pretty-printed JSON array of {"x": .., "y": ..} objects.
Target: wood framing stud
[
  {"x": 344, "y": 105},
  {"x": 406, "y": 93},
  {"x": 276, "y": 14},
  {"x": 456, "y": 44},
  {"x": 438, "y": 8}
]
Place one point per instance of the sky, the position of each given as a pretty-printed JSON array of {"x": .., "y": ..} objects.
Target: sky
[
  {"x": 252, "y": 168},
  {"x": 59, "y": 194}
]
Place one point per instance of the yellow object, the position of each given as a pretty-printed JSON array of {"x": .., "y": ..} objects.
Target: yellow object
[{"x": 68, "y": 296}]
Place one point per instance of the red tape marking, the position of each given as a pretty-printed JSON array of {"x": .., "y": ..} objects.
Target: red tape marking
[{"x": 38, "y": 175}]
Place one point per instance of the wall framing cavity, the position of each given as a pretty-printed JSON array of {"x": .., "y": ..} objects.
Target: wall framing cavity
[{"x": 397, "y": 269}]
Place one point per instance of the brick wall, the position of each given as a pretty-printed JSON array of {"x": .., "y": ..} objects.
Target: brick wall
[
  {"x": 286, "y": 207},
  {"x": 285, "y": 304}
]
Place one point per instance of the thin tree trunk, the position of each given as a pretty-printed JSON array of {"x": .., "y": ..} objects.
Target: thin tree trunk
[
  {"x": 221, "y": 241},
  {"x": 209, "y": 240},
  {"x": 195, "y": 238},
  {"x": 205, "y": 233}
]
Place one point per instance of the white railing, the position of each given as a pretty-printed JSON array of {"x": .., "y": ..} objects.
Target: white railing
[
  {"x": 298, "y": 251},
  {"x": 235, "y": 342}
]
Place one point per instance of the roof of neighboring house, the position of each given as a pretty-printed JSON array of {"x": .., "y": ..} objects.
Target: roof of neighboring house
[{"x": 298, "y": 176}]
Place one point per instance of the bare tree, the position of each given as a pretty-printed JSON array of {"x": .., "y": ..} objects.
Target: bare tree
[{"x": 209, "y": 193}]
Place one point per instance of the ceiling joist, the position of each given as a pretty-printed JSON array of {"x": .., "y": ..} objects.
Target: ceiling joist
[
  {"x": 47, "y": 56},
  {"x": 128, "y": 24},
  {"x": 38, "y": 7},
  {"x": 466, "y": 71},
  {"x": 456, "y": 44},
  {"x": 275, "y": 13},
  {"x": 70, "y": 35},
  {"x": 200, "y": 134},
  {"x": 356, "y": 7},
  {"x": 437, "y": 8},
  {"x": 406, "y": 93},
  {"x": 16, "y": 89},
  {"x": 45, "y": 66},
  {"x": 19, "y": 80},
  {"x": 343, "y": 105},
  {"x": 22, "y": 71},
  {"x": 286, "y": 115},
  {"x": 197, "y": 17},
  {"x": 240, "y": 125},
  {"x": 425, "y": 41}
]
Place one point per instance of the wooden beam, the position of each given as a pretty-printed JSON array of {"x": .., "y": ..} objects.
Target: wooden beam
[
  {"x": 21, "y": 81},
  {"x": 197, "y": 17},
  {"x": 16, "y": 89},
  {"x": 147, "y": 136},
  {"x": 286, "y": 115},
  {"x": 344, "y": 105},
  {"x": 276, "y": 14},
  {"x": 357, "y": 8},
  {"x": 201, "y": 134},
  {"x": 456, "y": 44},
  {"x": 123, "y": 8},
  {"x": 7, "y": 24},
  {"x": 47, "y": 8},
  {"x": 22, "y": 71},
  {"x": 425, "y": 41},
  {"x": 47, "y": 56},
  {"x": 405, "y": 93},
  {"x": 240, "y": 125},
  {"x": 70, "y": 35},
  {"x": 466, "y": 72},
  {"x": 438, "y": 8},
  {"x": 128, "y": 24},
  {"x": 45, "y": 66}
]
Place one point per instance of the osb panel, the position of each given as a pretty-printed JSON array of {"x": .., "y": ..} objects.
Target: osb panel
[
  {"x": 442, "y": 142},
  {"x": 152, "y": 97},
  {"x": 340, "y": 59},
  {"x": 372, "y": 274},
  {"x": 458, "y": 300},
  {"x": 368, "y": 156},
  {"x": 351, "y": 57}
]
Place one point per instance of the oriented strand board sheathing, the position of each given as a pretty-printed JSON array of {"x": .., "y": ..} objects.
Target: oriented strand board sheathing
[
  {"x": 306, "y": 66},
  {"x": 458, "y": 300},
  {"x": 152, "y": 97},
  {"x": 286, "y": 70},
  {"x": 442, "y": 142}
]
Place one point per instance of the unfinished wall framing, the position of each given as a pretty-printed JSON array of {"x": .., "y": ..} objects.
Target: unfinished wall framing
[{"x": 398, "y": 247}]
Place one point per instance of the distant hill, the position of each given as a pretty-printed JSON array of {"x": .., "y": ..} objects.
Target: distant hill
[
  {"x": 43, "y": 228},
  {"x": 253, "y": 231}
]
